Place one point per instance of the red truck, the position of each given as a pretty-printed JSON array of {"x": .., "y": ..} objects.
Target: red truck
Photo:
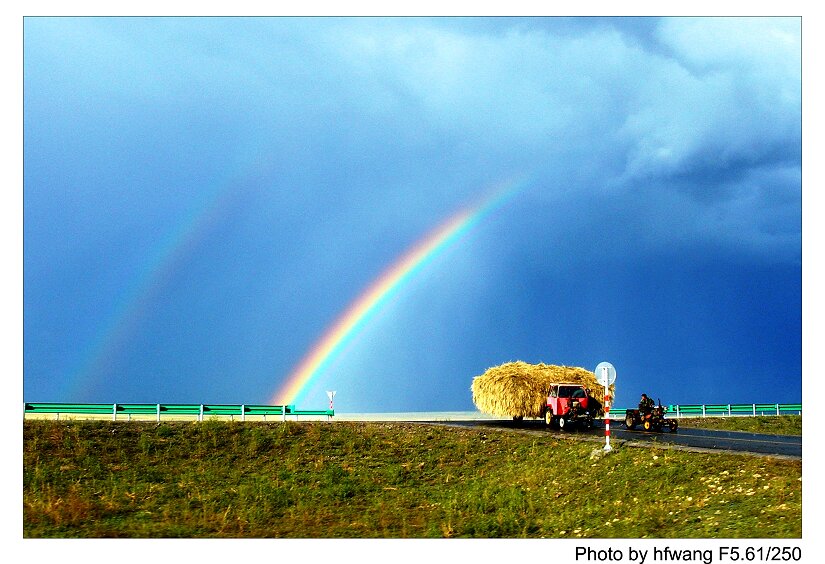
[{"x": 569, "y": 403}]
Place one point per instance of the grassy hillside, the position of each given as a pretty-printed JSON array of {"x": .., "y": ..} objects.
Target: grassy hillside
[{"x": 340, "y": 479}]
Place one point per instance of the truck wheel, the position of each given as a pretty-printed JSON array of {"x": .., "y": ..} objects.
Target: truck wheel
[
  {"x": 673, "y": 425},
  {"x": 629, "y": 422},
  {"x": 563, "y": 423},
  {"x": 548, "y": 418},
  {"x": 647, "y": 425}
]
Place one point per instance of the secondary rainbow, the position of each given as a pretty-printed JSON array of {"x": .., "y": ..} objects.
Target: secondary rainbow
[
  {"x": 159, "y": 266},
  {"x": 383, "y": 288}
]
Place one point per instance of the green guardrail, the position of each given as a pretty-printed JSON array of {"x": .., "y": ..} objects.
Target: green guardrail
[
  {"x": 727, "y": 410},
  {"x": 157, "y": 410}
]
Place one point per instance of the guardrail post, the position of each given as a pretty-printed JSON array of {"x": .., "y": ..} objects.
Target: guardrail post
[
  {"x": 754, "y": 410},
  {"x": 703, "y": 410},
  {"x": 158, "y": 413},
  {"x": 283, "y": 413},
  {"x": 200, "y": 414},
  {"x": 729, "y": 413},
  {"x": 777, "y": 409},
  {"x": 114, "y": 412},
  {"x": 243, "y": 412}
]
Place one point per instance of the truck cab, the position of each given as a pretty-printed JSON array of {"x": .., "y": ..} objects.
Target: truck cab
[{"x": 569, "y": 403}]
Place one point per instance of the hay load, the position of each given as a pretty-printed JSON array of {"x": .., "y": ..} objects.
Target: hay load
[{"x": 519, "y": 389}]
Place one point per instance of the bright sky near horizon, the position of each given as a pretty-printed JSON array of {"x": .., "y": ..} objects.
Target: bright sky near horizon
[{"x": 205, "y": 197}]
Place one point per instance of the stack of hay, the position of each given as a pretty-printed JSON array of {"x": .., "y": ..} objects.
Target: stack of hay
[{"x": 519, "y": 389}]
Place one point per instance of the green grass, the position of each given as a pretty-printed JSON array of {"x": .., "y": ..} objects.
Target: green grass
[
  {"x": 777, "y": 425},
  {"x": 368, "y": 480}
]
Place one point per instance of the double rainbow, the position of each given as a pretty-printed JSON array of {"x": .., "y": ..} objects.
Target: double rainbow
[{"x": 383, "y": 288}]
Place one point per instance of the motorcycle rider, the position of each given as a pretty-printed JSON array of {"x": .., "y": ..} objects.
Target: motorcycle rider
[{"x": 645, "y": 404}]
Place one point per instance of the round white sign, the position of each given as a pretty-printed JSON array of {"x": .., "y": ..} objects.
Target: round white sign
[{"x": 605, "y": 374}]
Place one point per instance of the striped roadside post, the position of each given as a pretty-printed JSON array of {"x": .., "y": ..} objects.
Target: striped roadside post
[
  {"x": 607, "y": 419},
  {"x": 606, "y": 375},
  {"x": 331, "y": 396}
]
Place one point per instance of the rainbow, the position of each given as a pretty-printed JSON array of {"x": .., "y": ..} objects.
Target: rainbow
[
  {"x": 159, "y": 266},
  {"x": 382, "y": 289}
]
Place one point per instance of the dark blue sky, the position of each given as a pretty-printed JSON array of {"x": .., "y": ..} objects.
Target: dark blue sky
[{"x": 204, "y": 196}]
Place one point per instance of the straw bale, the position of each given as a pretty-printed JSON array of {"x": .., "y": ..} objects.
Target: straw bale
[{"x": 519, "y": 389}]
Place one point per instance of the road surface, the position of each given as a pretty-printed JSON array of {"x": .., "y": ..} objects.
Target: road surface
[{"x": 704, "y": 439}]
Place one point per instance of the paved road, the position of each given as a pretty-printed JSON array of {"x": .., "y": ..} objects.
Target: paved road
[
  {"x": 735, "y": 441},
  {"x": 778, "y": 445}
]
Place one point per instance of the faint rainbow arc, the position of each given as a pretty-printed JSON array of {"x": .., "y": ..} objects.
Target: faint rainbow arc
[
  {"x": 157, "y": 268},
  {"x": 386, "y": 285},
  {"x": 133, "y": 305}
]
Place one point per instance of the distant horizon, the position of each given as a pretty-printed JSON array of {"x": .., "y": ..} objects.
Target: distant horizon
[{"x": 447, "y": 411}]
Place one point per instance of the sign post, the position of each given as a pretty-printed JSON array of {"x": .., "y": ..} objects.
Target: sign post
[
  {"x": 606, "y": 376},
  {"x": 330, "y": 395}
]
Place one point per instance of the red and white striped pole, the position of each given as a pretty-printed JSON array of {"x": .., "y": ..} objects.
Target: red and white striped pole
[
  {"x": 606, "y": 375},
  {"x": 607, "y": 446}
]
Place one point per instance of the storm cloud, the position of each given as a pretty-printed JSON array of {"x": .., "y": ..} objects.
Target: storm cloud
[{"x": 203, "y": 196}]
